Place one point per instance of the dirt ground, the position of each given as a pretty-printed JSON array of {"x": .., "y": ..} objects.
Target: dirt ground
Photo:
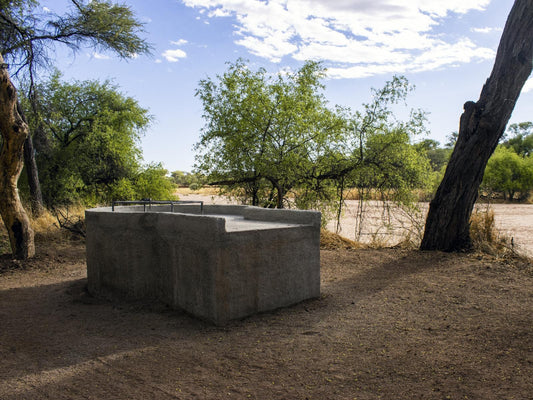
[{"x": 390, "y": 324}]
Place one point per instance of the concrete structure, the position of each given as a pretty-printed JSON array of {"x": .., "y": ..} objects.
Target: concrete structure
[{"x": 228, "y": 262}]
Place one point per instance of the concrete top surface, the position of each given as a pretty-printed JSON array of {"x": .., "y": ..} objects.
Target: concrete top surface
[{"x": 237, "y": 223}]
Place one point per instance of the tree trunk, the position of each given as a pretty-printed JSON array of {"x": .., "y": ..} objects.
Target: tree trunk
[
  {"x": 14, "y": 132},
  {"x": 36, "y": 197},
  {"x": 481, "y": 126}
]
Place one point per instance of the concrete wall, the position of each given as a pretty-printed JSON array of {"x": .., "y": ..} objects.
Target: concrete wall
[{"x": 191, "y": 262}]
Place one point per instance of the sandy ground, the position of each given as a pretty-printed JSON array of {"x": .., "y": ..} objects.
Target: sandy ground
[
  {"x": 390, "y": 226},
  {"x": 390, "y": 324}
]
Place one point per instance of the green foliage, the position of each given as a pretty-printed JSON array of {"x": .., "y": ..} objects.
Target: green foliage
[
  {"x": 87, "y": 142},
  {"x": 381, "y": 156},
  {"x": 438, "y": 157},
  {"x": 153, "y": 183},
  {"x": 264, "y": 134},
  {"x": 273, "y": 140},
  {"x": 522, "y": 138},
  {"x": 509, "y": 174},
  {"x": 194, "y": 181},
  {"x": 28, "y": 34}
]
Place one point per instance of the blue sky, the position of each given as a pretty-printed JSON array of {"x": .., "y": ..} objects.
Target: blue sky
[{"x": 445, "y": 48}]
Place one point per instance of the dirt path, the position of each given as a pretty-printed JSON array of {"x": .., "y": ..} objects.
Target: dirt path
[{"x": 390, "y": 324}]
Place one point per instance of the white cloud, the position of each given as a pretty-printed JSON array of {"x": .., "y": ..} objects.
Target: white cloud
[
  {"x": 100, "y": 56},
  {"x": 158, "y": 61},
  {"x": 357, "y": 37},
  {"x": 486, "y": 30},
  {"x": 173, "y": 55},
  {"x": 179, "y": 42},
  {"x": 47, "y": 10},
  {"x": 528, "y": 86}
]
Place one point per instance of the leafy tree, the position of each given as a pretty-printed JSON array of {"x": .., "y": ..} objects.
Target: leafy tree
[
  {"x": 481, "y": 126},
  {"x": 153, "y": 183},
  {"x": 265, "y": 135},
  {"x": 191, "y": 180},
  {"x": 438, "y": 156},
  {"x": 26, "y": 36},
  {"x": 87, "y": 148},
  {"x": 377, "y": 156},
  {"x": 522, "y": 138},
  {"x": 452, "y": 140},
  {"x": 508, "y": 173}
]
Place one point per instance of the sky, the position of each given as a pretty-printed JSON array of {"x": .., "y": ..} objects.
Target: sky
[{"x": 445, "y": 48}]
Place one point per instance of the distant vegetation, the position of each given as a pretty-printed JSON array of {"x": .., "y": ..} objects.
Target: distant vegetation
[{"x": 509, "y": 172}]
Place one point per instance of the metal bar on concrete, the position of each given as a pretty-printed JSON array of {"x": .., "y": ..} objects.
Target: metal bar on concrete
[{"x": 144, "y": 202}]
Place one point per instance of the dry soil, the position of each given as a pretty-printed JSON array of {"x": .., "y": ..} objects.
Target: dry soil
[{"x": 390, "y": 324}]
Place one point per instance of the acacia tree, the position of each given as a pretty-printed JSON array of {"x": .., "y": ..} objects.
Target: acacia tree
[
  {"x": 481, "y": 126},
  {"x": 265, "y": 134},
  {"x": 26, "y": 35}
]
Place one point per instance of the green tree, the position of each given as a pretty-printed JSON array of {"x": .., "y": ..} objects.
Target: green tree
[
  {"x": 378, "y": 143},
  {"x": 191, "y": 180},
  {"x": 264, "y": 134},
  {"x": 153, "y": 182},
  {"x": 438, "y": 156},
  {"x": 378, "y": 157},
  {"x": 509, "y": 174},
  {"x": 521, "y": 140},
  {"x": 88, "y": 144},
  {"x": 27, "y": 35},
  {"x": 267, "y": 136}
]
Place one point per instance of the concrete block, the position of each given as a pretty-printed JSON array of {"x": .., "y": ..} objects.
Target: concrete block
[{"x": 227, "y": 263}]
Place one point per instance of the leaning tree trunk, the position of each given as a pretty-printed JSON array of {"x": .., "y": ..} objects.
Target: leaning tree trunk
[
  {"x": 481, "y": 126},
  {"x": 14, "y": 132}
]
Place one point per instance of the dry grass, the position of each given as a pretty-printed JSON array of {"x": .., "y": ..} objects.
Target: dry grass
[
  {"x": 332, "y": 241},
  {"x": 485, "y": 237},
  {"x": 204, "y": 191}
]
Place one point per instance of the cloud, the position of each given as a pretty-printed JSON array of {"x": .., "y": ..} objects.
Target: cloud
[
  {"x": 173, "y": 55},
  {"x": 179, "y": 42},
  {"x": 486, "y": 30},
  {"x": 354, "y": 37},
  {"x": 528, "y": 86},
  {"x": 100, "y": 56}
]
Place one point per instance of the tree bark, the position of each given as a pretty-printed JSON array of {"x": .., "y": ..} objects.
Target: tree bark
[
  {"x": 481, "y": 126},
  {"x": 14, "y": 132},
  {"x": 36, "y": 196}
]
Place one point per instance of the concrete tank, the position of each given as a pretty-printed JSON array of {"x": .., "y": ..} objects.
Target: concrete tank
[{"x": 219, "y": 263}]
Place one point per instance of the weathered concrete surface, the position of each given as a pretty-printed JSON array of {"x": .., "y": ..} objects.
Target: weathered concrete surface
[{"x": 230, "y": 262}]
